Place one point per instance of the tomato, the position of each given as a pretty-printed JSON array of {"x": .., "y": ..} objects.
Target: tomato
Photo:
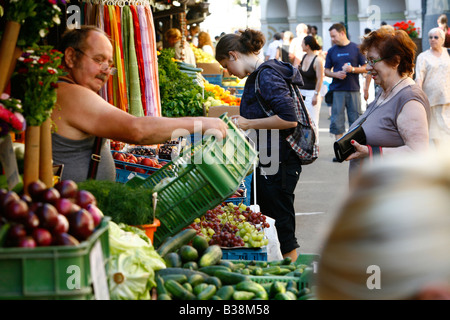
[{"x": 119, "y": 156}]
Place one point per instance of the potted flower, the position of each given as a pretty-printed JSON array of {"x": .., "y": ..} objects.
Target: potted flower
[
  {"x": 408, "y": 27},
  {"x": 34, "y": 82},
  {"x": 412, "y": 31}
]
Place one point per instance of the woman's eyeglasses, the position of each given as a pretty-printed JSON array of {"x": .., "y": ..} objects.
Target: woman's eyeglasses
[
  {"x": 433, "y": 37},
  {"x": 104, "y": 65},
  {"x": 373, "y": 61}
]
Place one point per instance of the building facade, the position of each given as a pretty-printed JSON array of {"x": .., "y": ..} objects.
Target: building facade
[{"x": 280, "y": 15}]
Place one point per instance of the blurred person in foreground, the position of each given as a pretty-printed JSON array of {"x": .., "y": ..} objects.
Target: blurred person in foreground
[
  {"x": 391, "y": 236},
  {"x": 81, "y": 114},
  {"x": 433, "y": 76},
  {"x": 279, "y": 166},
  {"x": 397, "y": 120}
]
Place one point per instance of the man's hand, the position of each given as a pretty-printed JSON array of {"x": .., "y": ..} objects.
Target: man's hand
[
  {"x": 340, "y": 75},
  {"x": 214, "y": 126}
]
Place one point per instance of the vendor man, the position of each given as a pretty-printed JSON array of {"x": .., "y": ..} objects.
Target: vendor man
[{"x": 81, "y": 114}]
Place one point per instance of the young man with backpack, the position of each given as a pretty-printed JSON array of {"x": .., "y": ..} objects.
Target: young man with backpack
[{"x": 271, "y": 108}]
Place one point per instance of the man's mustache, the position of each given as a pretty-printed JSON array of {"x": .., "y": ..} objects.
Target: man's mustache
[{"x": 102, "y": 76}]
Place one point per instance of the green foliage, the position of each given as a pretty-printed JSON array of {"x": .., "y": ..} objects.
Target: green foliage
[
  {"x": 180, "y": 96},
  {"x": 35, "y": 80},
  {"x": 122, "y": 203}
]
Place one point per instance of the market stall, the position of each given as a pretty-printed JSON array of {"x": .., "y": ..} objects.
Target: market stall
[{"x": 177, "y": 224}]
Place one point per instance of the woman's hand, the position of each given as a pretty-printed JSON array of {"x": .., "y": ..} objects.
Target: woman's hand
[
  {"x": 241, "y": 122},
  {"x": 314, "y": 100},
  {"x": 362, "y": 151}
]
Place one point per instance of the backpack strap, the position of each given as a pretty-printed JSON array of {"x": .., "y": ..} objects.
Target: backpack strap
[{"x": 264, "y": 105}]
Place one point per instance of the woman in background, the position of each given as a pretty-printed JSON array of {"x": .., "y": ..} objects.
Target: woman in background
[
  {"x": 311, "y": 69},
  {"x": 433, "y": 76},
  {"x": 205, "y": 43}
]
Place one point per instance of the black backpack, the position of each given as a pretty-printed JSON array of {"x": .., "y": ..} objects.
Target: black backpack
[{"x": 303, "y": 140}]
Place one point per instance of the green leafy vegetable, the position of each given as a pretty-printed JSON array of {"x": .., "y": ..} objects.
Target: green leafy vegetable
[
  {"x": 124, "y": 204},
  {"x": 180, "y": 96},
  {"x": 134, "y": 261}
]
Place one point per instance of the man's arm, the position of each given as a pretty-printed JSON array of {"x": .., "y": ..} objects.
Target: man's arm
[
  {"x": 338, "y": 75},
  {"x": 81, "y": 112}
]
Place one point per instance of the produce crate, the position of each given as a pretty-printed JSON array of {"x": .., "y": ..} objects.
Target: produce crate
[
  {"x": 213, "y": 78},
  {"x": 126, "y": 170},
  {"x": 247, "y": 186},
  {"x": 306, "y": 280},
  {"x": 201, "y": 177},
  {"x": 47, "y": 272},
  {"x": 249, "y": 254}
]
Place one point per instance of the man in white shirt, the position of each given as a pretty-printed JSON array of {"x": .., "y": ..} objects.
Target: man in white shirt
[
  {"x": 273, "y": 51},
  {"x": 295, "y": 49}
]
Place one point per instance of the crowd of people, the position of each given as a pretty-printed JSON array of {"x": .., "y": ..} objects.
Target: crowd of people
[{"x": 410, "y": 111}]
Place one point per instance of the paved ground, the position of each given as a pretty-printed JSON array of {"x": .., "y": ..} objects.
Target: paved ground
[{"x": 319, "y": 191}]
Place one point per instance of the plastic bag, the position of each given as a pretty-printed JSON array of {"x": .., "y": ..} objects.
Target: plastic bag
[{"x": 273, "y": 248}]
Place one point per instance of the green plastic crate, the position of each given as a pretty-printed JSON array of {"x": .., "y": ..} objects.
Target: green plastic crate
[
  {"x": 47, "y": 272},
  {"x": 204, "y": 175},
  {"x": 306, "y": 280}
]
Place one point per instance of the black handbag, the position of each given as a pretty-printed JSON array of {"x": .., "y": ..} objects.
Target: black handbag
[{"x": 343, "y": 147}]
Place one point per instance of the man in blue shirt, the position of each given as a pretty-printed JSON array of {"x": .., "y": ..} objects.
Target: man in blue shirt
[{"x": 343, "y": 64}]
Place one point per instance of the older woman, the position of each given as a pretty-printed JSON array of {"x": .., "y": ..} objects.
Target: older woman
[
  {"x": 397, "y": 120},
  {"x": 433, "y": 75}
]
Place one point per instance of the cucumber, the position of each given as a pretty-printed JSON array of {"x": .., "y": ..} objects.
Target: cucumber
[
  {"x": 227, "y": 263},
  {"x": 215, "y": 281},
  {"x": 257, "y": 271},
  {"x": 243, "y": 295},
  {"x": 292, "y": 287},
  {"x": 164, "y": 296},
  {"x": 186, "y": 272},
  {"x": 173, "y": 260},
  {"x": 191, "y": 265},
  {"x": 207, "y": 293},
  {"x": 211, "y": 256},
  {"x": 283, "y": 296},
  {"x": 177, "y": 241},
  {"x": 187, "y": 286},
  {"x": 180, "y": 278},
  {"x": 225, "y": 293},
  {"x": 275, "y": 270},
  {"x": 228, "y": 277},
  {"x": 254, "y": 287},
  {"x": 160, "y": 288},
  {"x": 178, "y": 291},
  {"x": 304, "y": 291},
  {"x": 277, "y": 287},
  {"x": 199, "y": 288},
  {"x": 195, "y": 279},
  {"x": 308, "y": 296},
  {"x": 211, "y": 270},
  {"x": 200, "y": 244},
  {"x": 188, "y": 253}
]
